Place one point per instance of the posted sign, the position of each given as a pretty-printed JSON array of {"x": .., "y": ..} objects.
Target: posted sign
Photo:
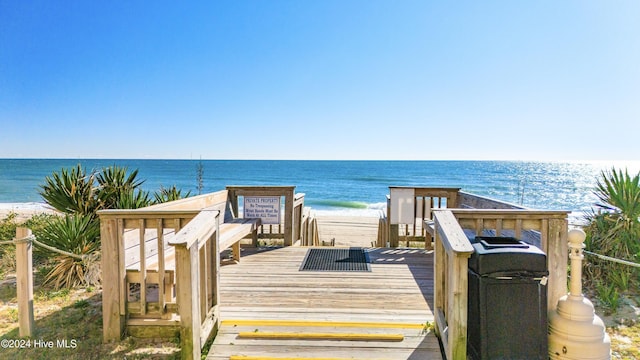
[{"x": 265, "y": 208}]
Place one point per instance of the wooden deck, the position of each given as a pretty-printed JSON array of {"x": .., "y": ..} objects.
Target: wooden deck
[{"x": 297, "y": 314}]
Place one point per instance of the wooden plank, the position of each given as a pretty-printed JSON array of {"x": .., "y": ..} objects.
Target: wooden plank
[
  {"x": 113, "y": 321},
  {"x": 199, "y": 228},
  {"x": 161, "y": 264},
  {"x": 288, "y": 218},
  {"x": 267, "y": 291},
  {"x": 324, "y": 323},
  {"x": 143, "y": 268},
  {"x": 457, "y": 280},
  {"x": 120, "y": 260},
  {"x": 188, "y": 296},
  {"x": 286, "y": 335},
  {"x": 24, "y": 282},
  {"x": 198, "y": 202}
]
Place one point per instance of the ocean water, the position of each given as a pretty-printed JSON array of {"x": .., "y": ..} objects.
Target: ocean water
[{"x": 343, "y": 187}]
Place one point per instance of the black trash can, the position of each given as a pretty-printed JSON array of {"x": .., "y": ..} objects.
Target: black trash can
[{"x": 507, "y": 304}]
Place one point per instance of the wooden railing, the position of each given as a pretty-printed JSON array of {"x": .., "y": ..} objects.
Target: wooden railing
[
  {"x": 545, "y": 229},
  {"x": 309, "y": 229},
  {"x": 160, "y": 263},
  {"x": 148, "y": 252},
  {"x": 132, "y": 239},
  {"x": 289, "y": 229},
  {"x": 197, "y": 281},
  {"x": 454, "y": 227},
  {"x": 425, "y": 200},
  {"x": 452, "y": 252},
  {"x": 383, "y": 231},
  {"x": 298, "y": 210},
  {"x": 473, "y": 201}
]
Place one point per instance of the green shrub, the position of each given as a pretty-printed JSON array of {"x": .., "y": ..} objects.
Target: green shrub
[
  {"x": 78, "y": 235},
  {"x": 8, "y": 227},
  {"x": 169, "y": 194},
  {"x": 71, "y": 191},
  {"x": 119, "y": 190},
  {"x": 614, "y": 230},
  {"x": 608, "y": 295},
  {"x": 80, "y": 195}
]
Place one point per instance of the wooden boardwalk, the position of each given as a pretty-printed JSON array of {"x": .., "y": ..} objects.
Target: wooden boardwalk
[{"x": 326, "y": 315}]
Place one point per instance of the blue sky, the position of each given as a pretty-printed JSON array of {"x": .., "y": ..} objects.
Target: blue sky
[{"x": 432, "y": 80}]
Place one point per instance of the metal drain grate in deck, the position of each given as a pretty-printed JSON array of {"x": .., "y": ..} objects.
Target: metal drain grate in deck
[{"x": 352, "y": 259}]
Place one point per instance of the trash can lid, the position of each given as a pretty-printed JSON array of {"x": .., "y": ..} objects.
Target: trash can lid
[{"x": 495, "y": 254}]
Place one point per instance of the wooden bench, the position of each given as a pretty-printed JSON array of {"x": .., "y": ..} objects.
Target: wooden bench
[{"x": 231, "y": 231}]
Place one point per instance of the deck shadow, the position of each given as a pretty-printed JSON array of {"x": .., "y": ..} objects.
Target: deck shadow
[{"x": 419, "y": 262}]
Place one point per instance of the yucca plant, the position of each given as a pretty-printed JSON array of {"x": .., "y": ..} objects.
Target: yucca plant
[
  {"x": 80, "y": 196},
  {"x": 614, "y": 230},
  {"x": 617, "y": 225},
  {"x": 114, "y": 185},
  {"x": 169, "y": 194},
  {"x": 71, "y": 191},
  {"x": 133, "y": 200},
  {"x": 79, "y": 236}
]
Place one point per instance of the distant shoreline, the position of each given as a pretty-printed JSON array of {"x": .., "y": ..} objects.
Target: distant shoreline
[{"x": 25, "y": 210}]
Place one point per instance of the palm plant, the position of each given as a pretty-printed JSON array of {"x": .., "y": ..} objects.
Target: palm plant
[
  {"x": 71, "y": 191},
  {"x": 76, "y": 235}
]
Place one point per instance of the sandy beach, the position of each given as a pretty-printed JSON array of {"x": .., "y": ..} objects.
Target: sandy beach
[{"x": 25, "y": 210}]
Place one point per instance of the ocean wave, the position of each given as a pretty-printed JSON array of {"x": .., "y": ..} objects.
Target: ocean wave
[
  {"x": 344, "y": 204},
  {"x": 346, "y": 208},
  {"x": 338, "y": 204}
]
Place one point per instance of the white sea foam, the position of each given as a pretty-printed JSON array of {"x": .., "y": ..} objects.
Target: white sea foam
[{"x": 372, "y": 210}]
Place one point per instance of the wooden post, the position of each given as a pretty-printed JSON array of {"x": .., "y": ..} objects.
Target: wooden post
[
  {"x": 288, "y": 217},
  {"x": 113, "y": 318},
  {"x": 457, "y": 306},
  {"x": 188, "y": 298},
  {"x": 24, "y": 281}
]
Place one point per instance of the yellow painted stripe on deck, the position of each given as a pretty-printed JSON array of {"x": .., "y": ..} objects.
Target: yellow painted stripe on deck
[
  {"x": 320, "y": 336},
  {"x": 371, "y": 325},
  {"x": 250, "y": 357}
]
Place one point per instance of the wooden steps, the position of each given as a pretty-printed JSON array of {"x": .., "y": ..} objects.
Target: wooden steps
[{"x": 311, "y": 339}]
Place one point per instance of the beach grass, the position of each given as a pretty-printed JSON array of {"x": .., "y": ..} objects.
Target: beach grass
[{"x": 68, "y": 325}]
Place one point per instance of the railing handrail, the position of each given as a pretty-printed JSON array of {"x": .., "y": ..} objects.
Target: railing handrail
[
  {"x": 200, "y": 227},
  {"x": 191, "y": 203},
  {"x": 452, "y": 252},
  {"x": 501, "y": 213},
  {"x": 483, "y": 202},
  {"x": 454, "y": 239},
  {"x": 197, "y": 281},
  {"x": 141, "y": 213}
]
